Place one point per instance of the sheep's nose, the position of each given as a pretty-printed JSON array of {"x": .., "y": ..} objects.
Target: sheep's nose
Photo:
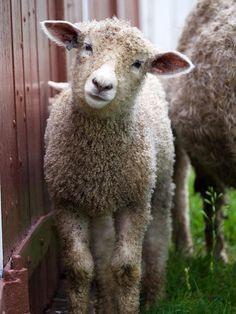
[{"x": 101, "y": 87}]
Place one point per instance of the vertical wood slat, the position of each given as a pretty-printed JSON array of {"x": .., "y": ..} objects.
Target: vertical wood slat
[
  {"x": 132, "y": 11},
  {"x": 73, "y": 10},
  {"x": 53, "y": 50},
  {"x": 128, "y": 10},
  {"x": 32, "y": 109},
  {"x": 57, "y": 54},
  {"x": 9, "y": 158},
  {"x": 38, "y": 157},
  {"x": 22, "y": 145},
  {"x": 73, "y": 14},
  {"x": 44, "y": 76},
  {"x": 100, "y": 9}
]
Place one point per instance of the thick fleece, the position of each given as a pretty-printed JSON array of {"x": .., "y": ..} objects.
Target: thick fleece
[
  {"x": 203, "y": 110},
  {"x": 112, "y": 163}
]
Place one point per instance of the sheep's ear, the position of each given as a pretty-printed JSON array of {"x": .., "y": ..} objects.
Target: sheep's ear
[
  {"x": 58, "y": 86},
  {"x": 61, "y": 32},
  {"x": 171, "y": 63}
]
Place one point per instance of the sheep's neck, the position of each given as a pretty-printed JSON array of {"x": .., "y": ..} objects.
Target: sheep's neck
[
  {"x": 115, "y": 124},
  {"x": 111, "y": 114}
]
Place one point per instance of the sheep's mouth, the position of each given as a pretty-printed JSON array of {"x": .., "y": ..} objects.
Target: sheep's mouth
[
  {"x": 97, "y": 97},
  {"x": 97, "y": 101}
]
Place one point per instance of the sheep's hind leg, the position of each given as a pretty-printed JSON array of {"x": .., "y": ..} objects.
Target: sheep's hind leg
[
  {"x": 130, "y": 226},
  {"x": 102, "y": 247},
  {"x": 180, "y": 210},
  {"x": 74, "y": 233},
  {"x": 213, "y": 216},
  {"x": 155, "y": 247}
]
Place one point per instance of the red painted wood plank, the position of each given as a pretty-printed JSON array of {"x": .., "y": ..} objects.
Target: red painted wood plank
[
  {"x": 32, "y": 109},
  {"x": 44, "y": 77},
  {"x": 100, "y": 9},
  {"x": 38, "y": 155},
  {"x": 73, "y": 14},
  {"x": 132, "y": 11},
  {"x": 39, "y": 253},
  {"x": 43, "y": 60},
  {"x": 14, "y": 298},
  {"x": 9, "y": 191},
  {"x": 73, "y": 10},
  {"x": 57, "y": 54},
  {"x": 24, "y": 219},
  {"x": 52, "y": 47}
]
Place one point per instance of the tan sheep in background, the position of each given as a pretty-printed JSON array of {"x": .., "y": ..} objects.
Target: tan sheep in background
[
  {"x": 109, "y": 156},
  {"x": 203, "y": 114}
]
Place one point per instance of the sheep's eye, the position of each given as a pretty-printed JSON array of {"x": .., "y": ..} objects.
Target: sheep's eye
[
  {"x": 88, "y": 47},
  {"x": 137, "y": 64}
]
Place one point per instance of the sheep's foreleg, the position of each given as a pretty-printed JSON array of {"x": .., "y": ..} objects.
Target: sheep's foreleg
[
  {"x": 102, "y": 248},
  {"x": 126, "y": 260},
  {"x": 74, "y": 234}
]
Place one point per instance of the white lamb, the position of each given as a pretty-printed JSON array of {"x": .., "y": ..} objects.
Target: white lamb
[{"x": 109, "y": 155}]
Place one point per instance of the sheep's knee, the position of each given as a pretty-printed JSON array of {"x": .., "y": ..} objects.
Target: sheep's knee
[
  {"x": 126, "y": 272},
  {"x": 127, "y": 276},
  {"x": 78, "y": 260},
  {"x": 80, "y": 273},
  {"x": 81, "y": 270}
]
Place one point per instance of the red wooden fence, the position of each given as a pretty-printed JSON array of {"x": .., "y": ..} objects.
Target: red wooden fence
[{"x": 27, "y": 62}]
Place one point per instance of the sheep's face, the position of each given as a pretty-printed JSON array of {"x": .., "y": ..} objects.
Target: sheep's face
[
  {"x": 111, "y": 61},
  {"x": 110, "y": 65}
]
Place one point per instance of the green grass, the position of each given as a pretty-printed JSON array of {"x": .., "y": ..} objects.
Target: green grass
[{"x": 193, "y": 285}]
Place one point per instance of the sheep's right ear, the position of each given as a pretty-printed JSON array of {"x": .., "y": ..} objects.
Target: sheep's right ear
[
  {"x": 171, "y": 64},
  {"x": 61, "y": 32}
]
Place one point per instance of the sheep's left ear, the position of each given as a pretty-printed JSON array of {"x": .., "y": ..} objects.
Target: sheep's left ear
[
  {"x": 170, "y": 64},
  {"x": 62, "y": 33}
]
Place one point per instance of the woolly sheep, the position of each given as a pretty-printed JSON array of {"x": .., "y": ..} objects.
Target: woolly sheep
[
  {"x": 109, "y": 155},
  {"x": 203, "y": 114}
]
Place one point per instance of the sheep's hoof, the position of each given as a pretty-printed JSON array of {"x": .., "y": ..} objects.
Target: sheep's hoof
[
  {"x": 184, "y": 246},
  {"x": 187, "y": 251},
  {"x": 222, "y": 256}
]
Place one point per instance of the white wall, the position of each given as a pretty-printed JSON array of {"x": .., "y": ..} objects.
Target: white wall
[
  {"x": 162, "y": 20},
  {"x": 85, "y": 10}
]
